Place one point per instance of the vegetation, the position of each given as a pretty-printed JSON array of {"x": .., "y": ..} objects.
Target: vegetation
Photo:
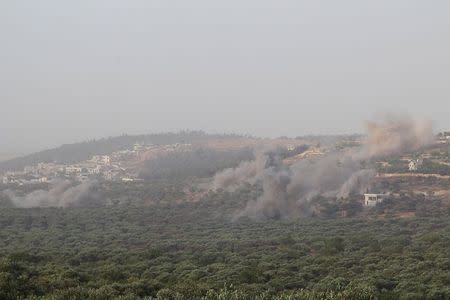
[
  {"x": 181, "y": 165},
  {"x": 192, "y": 250},
  {"x": 428, "y": 166},
  {"x": 167, "y": 238},
  {"x": 431, "y": 167}
]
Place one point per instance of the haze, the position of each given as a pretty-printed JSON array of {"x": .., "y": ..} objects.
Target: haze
[{"x": 70, "y": 71}]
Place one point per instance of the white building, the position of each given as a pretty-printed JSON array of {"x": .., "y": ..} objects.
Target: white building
[
  {"x": 414, "y": 165},
  {"x": 73, "y": 170},
  {"x": 82, "y": 177},
  {"x": 127, "y": 179},
  {"x": 290, "y": 147},
  {"x": 30, "y": 169},
  {"x": 101, "y": 159},
  {"x": 94, "y": 171},
  {"x": 106, "y": 159},
  {"x": 138, "y": 147},
  {"x": 372, "y": 200}
]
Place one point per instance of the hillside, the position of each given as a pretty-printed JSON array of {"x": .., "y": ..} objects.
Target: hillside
[
  {"x": 76, "y": 152},
  {"x": 186, "y": 232}
]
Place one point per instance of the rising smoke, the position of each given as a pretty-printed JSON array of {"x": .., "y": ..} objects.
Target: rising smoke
[
  {"x": 288, "y": 190},
  {"x": 60, "y": 194}
]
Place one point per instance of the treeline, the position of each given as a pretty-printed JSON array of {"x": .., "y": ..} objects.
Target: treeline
[{"x": 194, "y": 251}]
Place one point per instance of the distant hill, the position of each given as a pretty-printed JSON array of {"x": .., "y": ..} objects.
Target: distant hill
[{"x": 76, "y": 152}]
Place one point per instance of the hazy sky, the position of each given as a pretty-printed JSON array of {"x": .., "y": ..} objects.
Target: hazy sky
[{"x": 73, "y": 70}]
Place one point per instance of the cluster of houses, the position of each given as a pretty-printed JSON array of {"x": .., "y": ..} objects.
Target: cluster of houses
[
  {"x": 106, "y": 167},
  {"x": 97, "y": 167},
  {"x": 117, "y": 166}
]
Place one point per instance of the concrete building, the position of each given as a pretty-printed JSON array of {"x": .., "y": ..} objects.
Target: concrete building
[
  {"x": 94, "y": 170},
  {"x": 371, "y": 200},
  {"x": 73, "y": 170},
  {"x": 82, "y": 177},
  {"x": 106, "y": 159},
  {"x": 414, "y": 165},
  {"x": 127, "y": 179},
  {"x": 138, "y": 147},
  {"x": 101, "y": 159}
]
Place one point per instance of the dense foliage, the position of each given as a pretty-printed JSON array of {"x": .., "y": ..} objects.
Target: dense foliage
[
  {"x": 181, "y": 165},
  {"x": 192, "y": 250}
]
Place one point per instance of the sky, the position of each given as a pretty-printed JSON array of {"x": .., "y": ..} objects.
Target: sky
[{"x": 76, "y": 70}]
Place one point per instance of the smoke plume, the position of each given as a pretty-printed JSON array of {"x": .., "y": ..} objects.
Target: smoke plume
[
  {"x": 288, "y": 190},
  {"x": 60, "y": 194},
  {"x": 396, "y": 134},
  {"x": 246, "y": 172}
]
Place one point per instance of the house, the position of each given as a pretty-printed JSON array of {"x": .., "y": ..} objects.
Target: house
[
  {"x": 94, "y": 170},
  {"x": 444, "y": 137},
  {"x": 83, "y": 177},
  {"x": 371, "y": 200},
  {"x": 101, "y": 159},
  {"x": 414, "y": 165},
  {"x": 290, "y": 148},
  {"x": 138, "y": 147},
  {"x": 106, "y": 159},
  {"x": 73, "y": 170},
  {"x": 127, "y": 179}
]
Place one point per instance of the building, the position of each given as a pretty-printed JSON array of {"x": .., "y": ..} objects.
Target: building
[
  {"x": 101, "y": 159},
  {"x": 138, "y": 147},
  {"x": 94, "y": 170},
  {"x": 73, "y": 170},
  {"x": 106, "y": 159},
  {"x": 291, "y": 148},
  {"x": 83, "y": 177},
  {"x": 372, "y": 200},
  {"x": 127, "y": 179},
  {"x": 414, "y": 165}
]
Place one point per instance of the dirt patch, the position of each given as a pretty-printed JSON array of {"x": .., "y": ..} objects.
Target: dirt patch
[
  {"x": 406, "y": 215},
  {"x": 389, "y": 175}
]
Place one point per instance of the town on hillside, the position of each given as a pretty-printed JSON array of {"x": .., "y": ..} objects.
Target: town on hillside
[{"x": 117, "y": 166}]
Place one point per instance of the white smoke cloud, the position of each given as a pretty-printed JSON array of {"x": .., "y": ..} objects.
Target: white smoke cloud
[
  {"x": 60, "y": 194},
  {"x": 396, "y": 134}
]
